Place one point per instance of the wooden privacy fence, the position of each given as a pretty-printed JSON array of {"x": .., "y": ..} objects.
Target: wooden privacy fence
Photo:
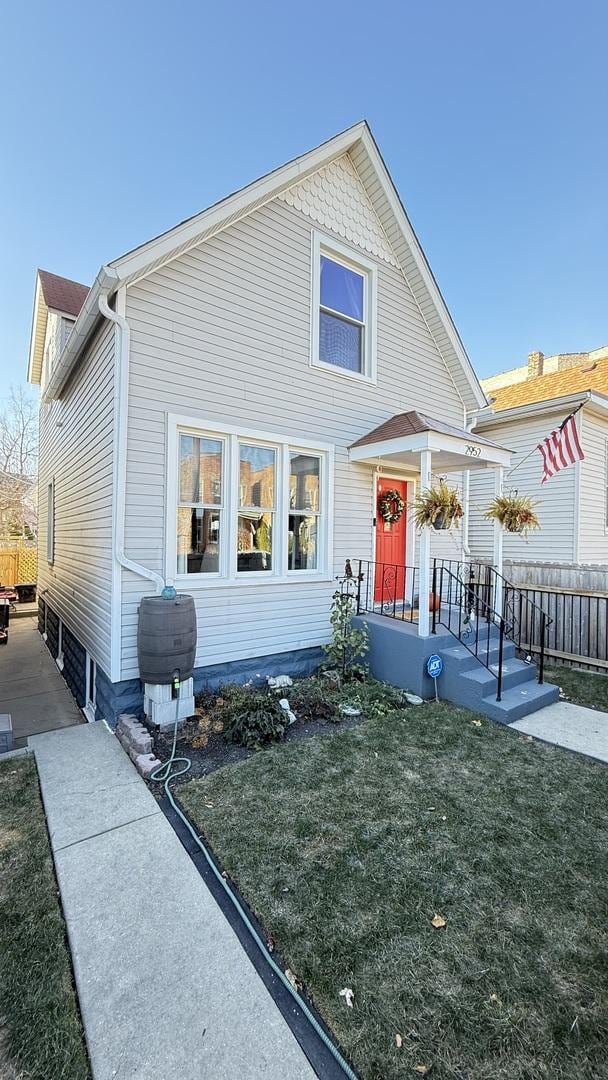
[
  {"x": 18, "y": 566},
  {"x": 578, "y": 633}
]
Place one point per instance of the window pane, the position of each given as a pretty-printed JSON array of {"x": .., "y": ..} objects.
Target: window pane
[
  {"x": 200, "y": 470},
  {"x": 341, "y": 289},
  {"x": 303, "y": 482},
  {"x": 340, "y": 342},
  {"x": 254, "y": 542},
  {"x": 256, "y": 476},
  {"x": 303, "y": 551},
  {"x": 198, "y": 541}
]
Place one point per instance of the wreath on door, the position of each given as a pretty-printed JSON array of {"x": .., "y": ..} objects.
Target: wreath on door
[{"x": 391, "y": 506}]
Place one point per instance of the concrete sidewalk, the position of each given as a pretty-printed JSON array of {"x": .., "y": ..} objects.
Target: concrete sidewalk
[
  {"x": 31, "y": 688},
  {"x": 571, "y": 726},
  {"x": 165, "y": 988}
]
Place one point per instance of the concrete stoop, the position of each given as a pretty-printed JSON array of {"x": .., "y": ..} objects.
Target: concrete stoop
[
  {"x": 397, "y": 655},
  {"x": 471, "y": 684}
]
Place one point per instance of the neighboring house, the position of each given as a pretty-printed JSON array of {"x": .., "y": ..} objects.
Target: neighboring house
[
  {"x": 207, "y": 422},
  {"x": 526, "y": 405}
]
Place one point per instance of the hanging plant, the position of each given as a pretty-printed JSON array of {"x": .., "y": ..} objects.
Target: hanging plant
[
  {"x": 515, "y": 513},
  {"x": 438, "y": 506},
  {"x": 391, "y": 506}
]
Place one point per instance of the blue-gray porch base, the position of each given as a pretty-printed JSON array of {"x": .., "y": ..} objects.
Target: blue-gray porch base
[{"x": 398, "y": 655}]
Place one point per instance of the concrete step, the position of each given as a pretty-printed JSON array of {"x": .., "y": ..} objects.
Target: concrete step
[
  {"x": 520, "y": 701},
  {"x": 514, "y": 673},
  {"x": 461, "y": 655}
]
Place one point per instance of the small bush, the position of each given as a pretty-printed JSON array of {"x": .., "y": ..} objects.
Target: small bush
[
  {"x": 314, "y": 699},
  {"x": 349, "y": 644},
  {"x": 375, "y": 699},
  {"x": 250, "y": 717}
]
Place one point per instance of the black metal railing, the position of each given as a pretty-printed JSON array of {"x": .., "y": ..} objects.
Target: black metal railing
[
  {"x": 528, "y": 621},
  {"x": 462, "y": 611},
  {"x": 388, "y": 589}
]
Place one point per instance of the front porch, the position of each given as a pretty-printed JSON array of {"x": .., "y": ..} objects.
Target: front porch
[
  {"x": 417, "y": 446},
  {"x": 490, "y": 636}
]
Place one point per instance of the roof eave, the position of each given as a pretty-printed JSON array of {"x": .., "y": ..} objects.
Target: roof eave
[
  {"x": 533, "y": 408},
  {"x": 34, "y": 365},
  {"x": 106, "y": 283},
  {"x": 163, "y": 248},
  {"x": 429, "y": 278}
]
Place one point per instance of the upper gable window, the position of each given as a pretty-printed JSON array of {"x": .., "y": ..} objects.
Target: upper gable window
[{"x": 343, "y": 330}]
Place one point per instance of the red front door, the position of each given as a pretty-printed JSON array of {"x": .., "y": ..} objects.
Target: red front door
[{"x": 389, "y": 580}]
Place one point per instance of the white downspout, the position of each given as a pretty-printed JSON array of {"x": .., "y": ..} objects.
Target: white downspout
[{"x": 122, "y": 379}]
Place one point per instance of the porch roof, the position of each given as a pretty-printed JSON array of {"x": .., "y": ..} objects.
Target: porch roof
[{"x": 401, "y": 439}]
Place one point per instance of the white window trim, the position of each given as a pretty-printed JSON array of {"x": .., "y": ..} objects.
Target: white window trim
[
  {"x": 351, "y": 258},
  {"x": 50, "y": 522},
  {"x": 228, "y": 576},
  {"x": 605, "y": 487},
  {"x": 90, "y": 702}
]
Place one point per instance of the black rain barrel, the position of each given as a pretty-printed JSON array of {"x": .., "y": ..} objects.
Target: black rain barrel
[{"x": 166, "y": 638}]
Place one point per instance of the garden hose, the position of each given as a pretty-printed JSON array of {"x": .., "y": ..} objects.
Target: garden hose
[{"x": 165, "y": 774}]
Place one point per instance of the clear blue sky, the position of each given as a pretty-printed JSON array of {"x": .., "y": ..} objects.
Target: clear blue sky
[{"x": 118, "y": 120}]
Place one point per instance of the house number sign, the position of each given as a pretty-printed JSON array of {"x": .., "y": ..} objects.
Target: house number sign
[{"x": 472, "y": 451}]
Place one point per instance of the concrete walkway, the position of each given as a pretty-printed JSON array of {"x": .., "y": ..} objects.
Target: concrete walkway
[
  {"x": 31, "y": 688},
  {"x": 571, "y": 726},
  {"x": 165, "y": 988}
]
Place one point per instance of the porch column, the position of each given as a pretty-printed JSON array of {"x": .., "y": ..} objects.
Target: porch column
[
  {"x": 498, "y": 540},
  {"x": 425, "y": 553}
]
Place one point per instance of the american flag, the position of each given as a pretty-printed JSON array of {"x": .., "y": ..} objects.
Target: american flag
[{"x": 561, "y": 448}]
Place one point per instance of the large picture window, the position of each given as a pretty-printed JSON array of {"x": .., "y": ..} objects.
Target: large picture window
[
  {"x": 250, "y": 506},
  {"x": 343, "y": 330}
]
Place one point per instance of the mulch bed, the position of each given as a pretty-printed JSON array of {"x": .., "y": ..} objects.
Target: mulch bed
[{"x": 218, "y": 752}]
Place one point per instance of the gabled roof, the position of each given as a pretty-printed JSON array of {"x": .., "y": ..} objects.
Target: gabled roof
[
  {"x": 359, "y": 143},
  {"x": 61, "y": 294},
  {"x": 414, "y": 423},
  {"x": 574, "y": 380},
  {"x": 53, "y": 293}
]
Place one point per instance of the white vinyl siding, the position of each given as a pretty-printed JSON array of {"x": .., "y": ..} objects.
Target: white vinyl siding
[
  {"x": 556, "y": 499},
  {"x": 223, "y": 334},
  {"x": 594, "y": 489},
  {"x": 76, "y": 450}
]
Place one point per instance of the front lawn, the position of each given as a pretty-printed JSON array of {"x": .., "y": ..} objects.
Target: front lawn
[
  {"x": 348, "y": 846},
  {"x": 40, "y": 1032},
  {"x": 581, "y": 687}
]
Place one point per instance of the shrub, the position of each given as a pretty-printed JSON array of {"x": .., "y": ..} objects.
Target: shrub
[
  {"x": 313, "y": 699},
  {"x": 348, "y": 645},
  {"x": 375, "y": 699},
  {"x": 250, "y": 717}
]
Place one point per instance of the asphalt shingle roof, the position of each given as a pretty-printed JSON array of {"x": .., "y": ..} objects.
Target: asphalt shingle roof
[
  {"x": 62, "y": 294},
  {"x": 587, "y": 376}
]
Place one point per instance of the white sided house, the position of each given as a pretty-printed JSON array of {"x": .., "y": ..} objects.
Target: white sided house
[
  {"x": 232, "y": 401},
  {"x": 527, "y": 404}
]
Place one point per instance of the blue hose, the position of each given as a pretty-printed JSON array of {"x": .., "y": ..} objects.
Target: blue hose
[{"x": 164, "y": 774}]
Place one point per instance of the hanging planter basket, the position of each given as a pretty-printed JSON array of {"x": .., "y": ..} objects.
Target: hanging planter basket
[
  {"x": 515, "y": 513},
  {"x": 441, "y": 522},
  {"x": 438, "y": 506}
]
